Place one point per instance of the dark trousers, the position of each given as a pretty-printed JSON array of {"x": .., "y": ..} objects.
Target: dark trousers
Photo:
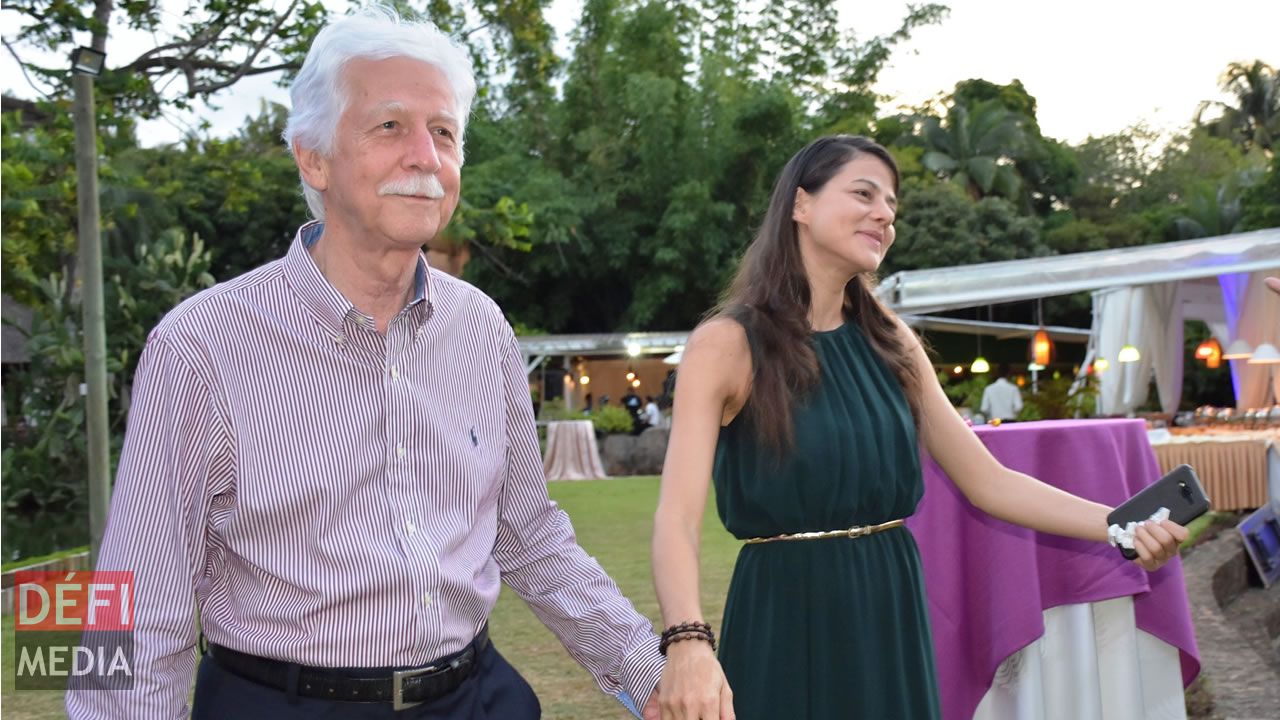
[{"x": 495, "y": 691}]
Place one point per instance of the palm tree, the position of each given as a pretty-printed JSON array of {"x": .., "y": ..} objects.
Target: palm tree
[
  {"x": 1211, "y": 212},
  {"x": 1254, "y": 121},
  {"x": 977, "y": 148}
]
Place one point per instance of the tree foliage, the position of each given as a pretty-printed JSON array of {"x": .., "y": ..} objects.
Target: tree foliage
[
  {"x": 611, "y": 189},
  {"x": 977, "y": 146},
  {"x": 209, "y": 48},
  {"x": 1253, "y": 121},
  {"x": 941, "y": 226},
  {"x": 671, "y": 128}
]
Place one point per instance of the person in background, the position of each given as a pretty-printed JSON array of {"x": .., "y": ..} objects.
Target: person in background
[
  {"x": 1001, "y": 399},
  {"x": 652, "y": 415},
  {"x": 631, "y": 401}
]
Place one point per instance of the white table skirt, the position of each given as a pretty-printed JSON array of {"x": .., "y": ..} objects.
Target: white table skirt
[
  {"x": 1092, "y": 663},
  {"x": 572, "y": 453}
]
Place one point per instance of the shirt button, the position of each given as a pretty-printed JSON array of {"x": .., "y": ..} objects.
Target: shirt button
[
  {"x": 409, "y": 527},
  {"x": 400, "y": 450},
  {"x": 338, "y": 339},
  {"x": 395, "y": 373},
  {"x": 426, "y": 600}
]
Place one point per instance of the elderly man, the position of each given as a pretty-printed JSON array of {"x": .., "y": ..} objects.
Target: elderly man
[{"x": 335, "y": 453}]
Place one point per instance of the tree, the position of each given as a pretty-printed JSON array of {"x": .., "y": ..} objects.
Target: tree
[
  {"x": 1210, "y": 212},
  {"x": 1261, "y": 202},
  {"x": 522, "y": 46},
  {"x": 847, "y": 103},
  {"x": 976, "y": 148},
  {"x": 44, "y": 459},
  {"x": 1111, "y": 168},
  {"x": 799, "y": 39},
  {"x": 1188, "y": 162},
  {"x": 39, "y": 206},
  {"x": 671, "y": 129},
  {"x": 39, "y": 202},
  {"x": 217, "y": 43},
  {"x": 1047, "y": 169},
  {"x": 942, "y": 226},
  {"x": 1254, "y": 121}
]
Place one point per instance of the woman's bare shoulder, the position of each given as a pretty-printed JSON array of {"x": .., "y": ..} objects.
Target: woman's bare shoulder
[
  {"x": 719, "y": 334},
  {"x": 717, "y": 362}
]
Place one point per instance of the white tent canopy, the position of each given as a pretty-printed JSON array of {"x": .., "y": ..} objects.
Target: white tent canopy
[
  {"x": 1142, "y": 295},
  {"x": 926, "y": 291}
]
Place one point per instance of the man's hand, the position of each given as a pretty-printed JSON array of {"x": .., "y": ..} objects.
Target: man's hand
[
  {"x": 1274, "y": 284},
  {"x": 693, "y": 685},
  {"x": 651, "y": 710}
]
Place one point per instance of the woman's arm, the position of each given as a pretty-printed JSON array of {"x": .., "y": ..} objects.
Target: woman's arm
[
  {"x": 714, "y": 375},
  {"x": 1013, "y": 496}
]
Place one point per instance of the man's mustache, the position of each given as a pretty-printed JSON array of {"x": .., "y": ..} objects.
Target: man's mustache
[{"x": 427, "y": 186}]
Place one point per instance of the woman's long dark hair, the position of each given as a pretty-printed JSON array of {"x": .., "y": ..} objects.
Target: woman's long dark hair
[{"x": 770, "y": 298}]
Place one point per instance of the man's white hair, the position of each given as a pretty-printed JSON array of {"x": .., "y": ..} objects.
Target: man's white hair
[{"x": 376, "y": 32}]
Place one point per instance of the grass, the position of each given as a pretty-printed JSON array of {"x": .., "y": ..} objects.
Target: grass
[
  {"x": 614, "y": 521},
  {"x": 25, "y": 562},
  {"x": 1206, "y": 526}
]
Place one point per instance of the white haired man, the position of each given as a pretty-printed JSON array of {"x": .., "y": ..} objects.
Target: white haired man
[{"x": 335, "y": 453}]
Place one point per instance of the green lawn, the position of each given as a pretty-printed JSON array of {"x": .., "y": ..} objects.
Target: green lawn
[{"x": 614, "y": 520}]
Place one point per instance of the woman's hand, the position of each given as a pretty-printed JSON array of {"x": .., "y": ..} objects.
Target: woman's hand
[
  {"x": 693, "y": 686},
  {"x": 1157, "y": 543}
]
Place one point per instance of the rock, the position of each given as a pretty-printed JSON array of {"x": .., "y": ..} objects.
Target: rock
[
  {"x": 635, "y": 455},
  {"x": 1234, "y": 623},
  {"x": 650, "y": 450},
  {"x": 615, "y": 453}
]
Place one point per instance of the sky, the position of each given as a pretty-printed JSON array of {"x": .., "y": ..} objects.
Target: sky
[{"x": 1095, "y": 67}]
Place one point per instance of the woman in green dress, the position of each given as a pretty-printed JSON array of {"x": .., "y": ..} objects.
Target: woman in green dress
[{"x": 804, "y": 398}]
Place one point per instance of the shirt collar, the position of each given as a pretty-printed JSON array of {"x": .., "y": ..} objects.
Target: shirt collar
[{"x": 332, "y": 307}]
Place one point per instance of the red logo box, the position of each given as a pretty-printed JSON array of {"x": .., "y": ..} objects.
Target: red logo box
[{"x": 73, "y": 601}]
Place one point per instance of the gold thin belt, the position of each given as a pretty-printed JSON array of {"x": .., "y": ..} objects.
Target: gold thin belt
[{"x": 853, "y": 532}]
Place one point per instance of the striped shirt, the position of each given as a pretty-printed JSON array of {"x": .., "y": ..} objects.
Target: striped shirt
[{"x": 337, "y": 497}]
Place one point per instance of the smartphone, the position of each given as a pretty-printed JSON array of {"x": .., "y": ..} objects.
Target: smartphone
[{"x": 1180, "y": 491}]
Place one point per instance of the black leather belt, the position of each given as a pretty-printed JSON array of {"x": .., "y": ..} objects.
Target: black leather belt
[{"x": 402, "y": 688}]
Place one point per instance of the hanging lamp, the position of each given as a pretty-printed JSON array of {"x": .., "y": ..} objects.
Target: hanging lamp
[
  {"x": 1040, "y": 350},
  {"x": 1238, "y": 350},
  {"x": 980, "y": 364},
  {"x": 1210, "y": 351}
]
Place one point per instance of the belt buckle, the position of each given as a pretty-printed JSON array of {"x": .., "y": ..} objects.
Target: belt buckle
[{"x": 397, "y": 686}]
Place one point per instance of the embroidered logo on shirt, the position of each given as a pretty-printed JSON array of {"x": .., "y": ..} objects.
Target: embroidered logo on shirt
[{"x": 475, "y": 441}]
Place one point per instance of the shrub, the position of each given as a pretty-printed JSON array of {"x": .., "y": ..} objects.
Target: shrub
[
  {"x": 44, "y": 458},
  {"x": 612, "y": 419},
  {"x": 555, "y": 410}
]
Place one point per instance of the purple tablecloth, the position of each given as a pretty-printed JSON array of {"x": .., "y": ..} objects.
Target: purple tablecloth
[{"x": 988, "y": 582}]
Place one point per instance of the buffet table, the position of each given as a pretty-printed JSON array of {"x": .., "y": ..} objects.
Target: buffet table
[
  {"x": 572, "y": 453},
  {"x": 996, "y": 590},
  {"x": 1236, "y": 467}
]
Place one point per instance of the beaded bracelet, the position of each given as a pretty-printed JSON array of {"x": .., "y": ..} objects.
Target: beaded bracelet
[{"x": 686, "y": 631}]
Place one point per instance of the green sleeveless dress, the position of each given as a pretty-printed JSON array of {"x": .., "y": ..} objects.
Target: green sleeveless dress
[{"x": 835, "y": 628}]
